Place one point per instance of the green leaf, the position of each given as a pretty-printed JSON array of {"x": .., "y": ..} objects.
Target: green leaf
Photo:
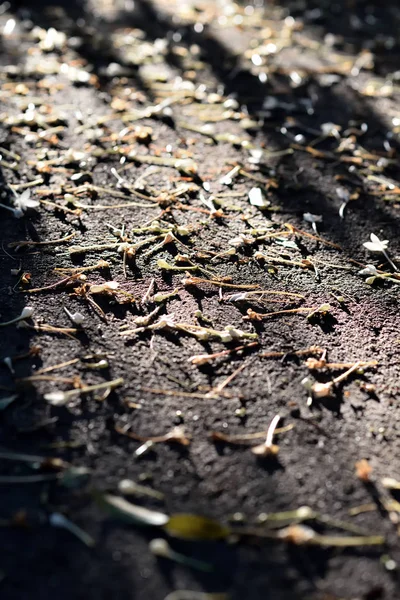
[
  {"x": 130, "y": 513},
  {"x": 195, "y": 527}
]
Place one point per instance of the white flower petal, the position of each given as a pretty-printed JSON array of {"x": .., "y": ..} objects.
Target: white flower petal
[
  {"x": 56, "y": 398},
  {"x": 369, "y": 270},
  {"x": 257, "y": 199},
  {"x": 310, "y": 218},
  {"x": 26, "y": 313},
  {"x": 372, "y": 246}
]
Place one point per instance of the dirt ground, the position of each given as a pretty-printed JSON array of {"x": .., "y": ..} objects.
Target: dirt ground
[{"x": 218, "y": 162}]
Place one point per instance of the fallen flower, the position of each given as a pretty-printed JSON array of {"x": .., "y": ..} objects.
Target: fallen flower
[
  {"x": 313, "y": 219},
  {"x": 373, "y": 274},
  {"x": 256, "y": 198},
  {"x": 60, "y": 398},
  {"x": 77, "y": 318},
  {"x": 268, "y": 448},
  {"x": 21, "y": 204},
  {"x": 26, "y": 313},
  {"x": 177, "y": 435},
  {"x": 24, "y": 202},
  {"x": 324, "y": 390},
  {"x": 58, "y": 520},
  {"x": 369, "y": 270},
  {"x": 104, "y": 288},
  {"x": 377, "y": 245}
]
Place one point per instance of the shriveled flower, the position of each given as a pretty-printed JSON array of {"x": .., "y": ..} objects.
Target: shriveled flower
[
  {"x": 239, "y": 297},
  {"x": 104, "y": 288},
  {"x": 164, "y": 322},
  {"x": 241, "y": 240}
]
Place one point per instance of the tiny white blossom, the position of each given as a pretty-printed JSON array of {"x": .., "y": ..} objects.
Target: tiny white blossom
[
  {"x": 257, "y": 199},
  {"x": 24, "y": 201},
  {"x": 376, "y": 245},
  {"x": 313, "y": 219},
  {"x": 241, "y": 240},
  {"x": 77, "y": 318},
  {"x": 26, "y": 313},
  {"x": 165, "y": 321},
  {"x": 330, "y": 129},
  {"x": 369, "y": 270},
  {"x": 343, "y": 194},
  {"x": 56, "y": 398},
  {"x": 256, "y": 155}
]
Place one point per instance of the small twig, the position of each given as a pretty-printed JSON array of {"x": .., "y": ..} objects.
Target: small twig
[
  {"x": 24, "y": 243},
  {"x": 311, "y": 350}
]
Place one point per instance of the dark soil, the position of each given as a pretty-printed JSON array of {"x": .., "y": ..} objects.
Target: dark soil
[{"x": 338, "y": 66}]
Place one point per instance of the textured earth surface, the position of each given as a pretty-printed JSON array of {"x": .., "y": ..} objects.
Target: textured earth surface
[{"x": 218, "y": 162}]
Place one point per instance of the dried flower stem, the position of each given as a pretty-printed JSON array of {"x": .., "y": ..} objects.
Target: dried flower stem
[
  {"x": 52, "y": 286},
  {"x": 313, "y": 350},
  {"x": 246, "y": 438},
  {"x": 255, "y": 316},
  {"x": 317, "y": 238},
  {"x": 194, "y": 280},
  {"x": 201, "y": 359},
  {"x": 24, "y": 243},
  {"x": 59, "y": 366}
]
